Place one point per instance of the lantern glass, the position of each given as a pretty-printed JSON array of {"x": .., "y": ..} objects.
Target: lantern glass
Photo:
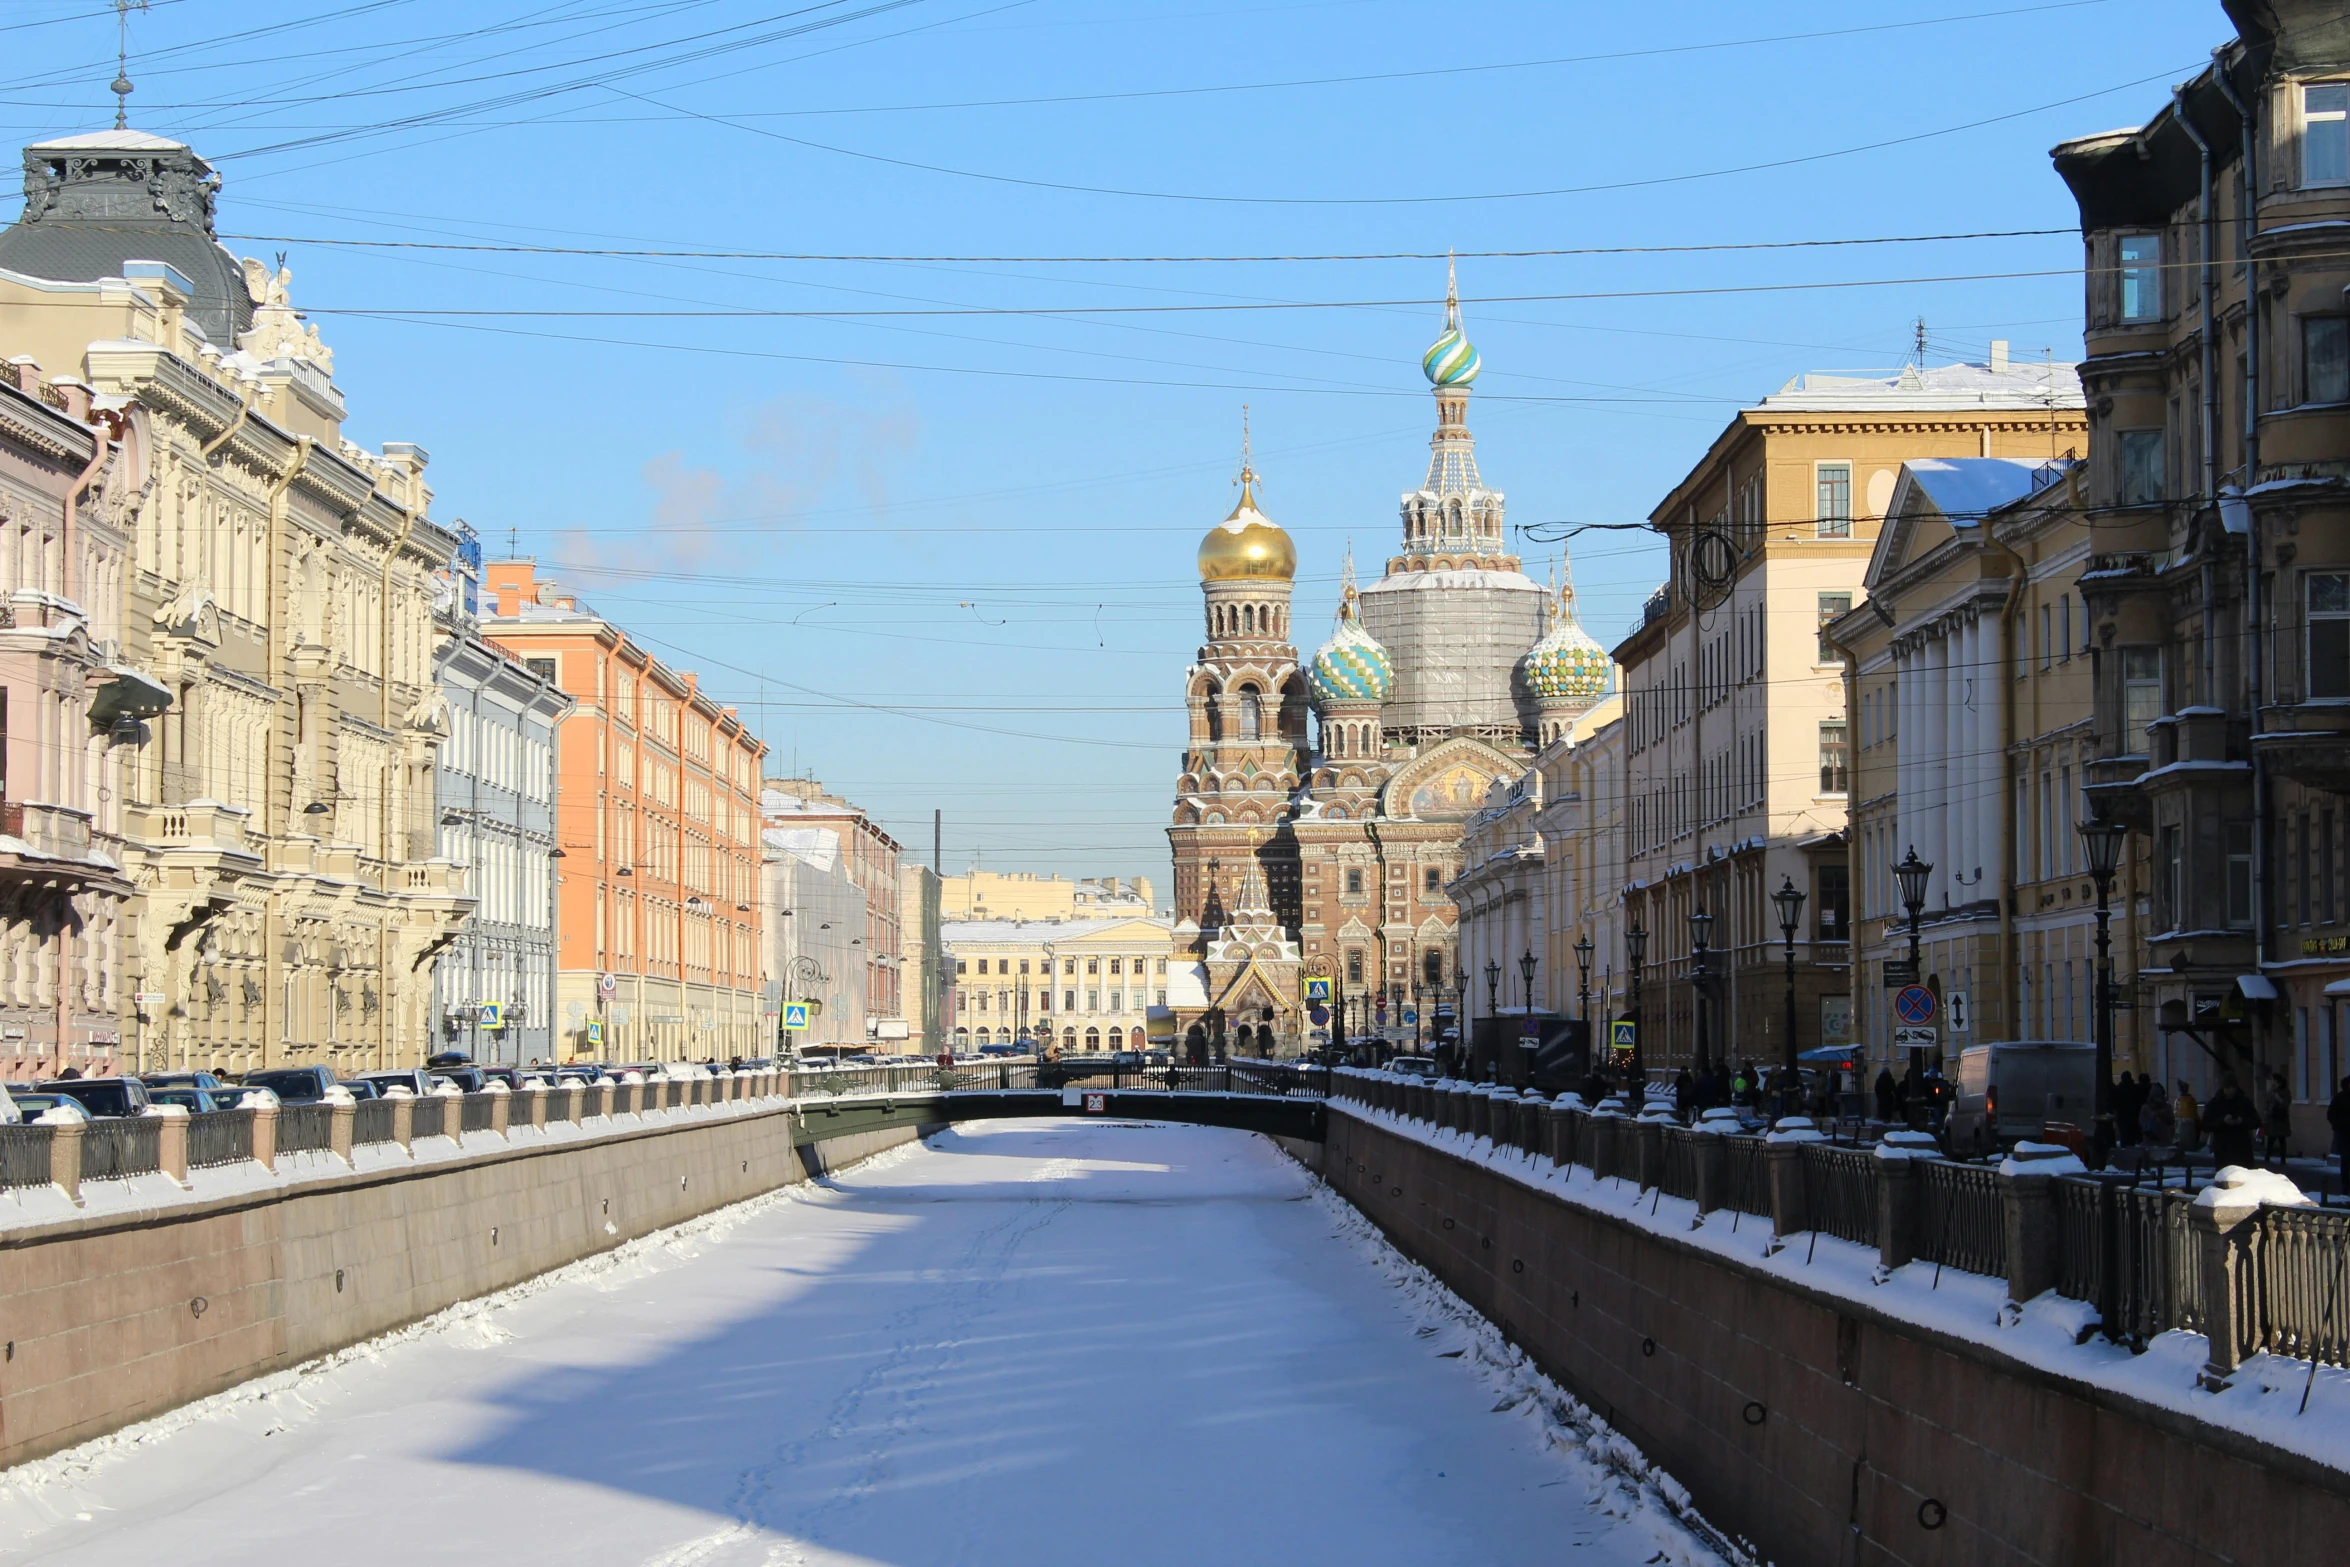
[
  {"x": 1636, "y": 945},
  {"x": 1701, "y": 926},
  {"x": 1912, "y": 873},
  {"x": 1790, "y": 903},
  {"x": 2102, "y": 842}
]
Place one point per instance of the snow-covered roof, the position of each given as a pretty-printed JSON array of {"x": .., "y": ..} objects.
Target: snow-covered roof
[
  {"x": 2022, "y": 384},
  {"x": 1187, "y": 985},
  {"x": 110, "y": 141},
  {"x": 1964, "y": 489},
  {"x": 817, "y": 846},
  {"x": 1438, "y": 581},
  {"x": 1035, "y": 931}
]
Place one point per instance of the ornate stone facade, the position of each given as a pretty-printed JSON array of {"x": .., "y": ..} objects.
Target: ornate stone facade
[{"x": 276, "y": 795}]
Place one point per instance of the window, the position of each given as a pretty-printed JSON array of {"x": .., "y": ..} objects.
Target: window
[
  {"x": 2327, "y": 594},
  {"x": 2047, "y": 637},
  {"x": 2141, "y": 277},
  {"x": 1068, "y": 1000},
  {"x": 2172, "y": 870},
  {"x": 1003, "y": 965},
  {"x": 1354, "y": 965},
  {"x": 2064, "y": 629},
  {"x": 1831, "y": 605},
  {"x": 2239, "y": 839},
  {"x": 1354, "y": 881},
  {"x": 1252, "y": 714},
  {"x": 962, "y": 965},
  {"x": 1834, "y": 511},
  {"x": 1093, "y": 965},
  {"x": 1432, "y": 967},
  {"x": 2325, "y": 867},
  {"x": 1835, "y": 900},
  {"x": 1434, "y": 880},
  {"x": 2325, "y": 359},
  {"x": 2325, "y": 134},
  {"x": 544, "y": 668},
  {"x": 2141, "y": 468},
  {"x": 1023, "y": 965},
  {"x": 1834, "y": 775},
  {"x": 2141, "y": 698}
]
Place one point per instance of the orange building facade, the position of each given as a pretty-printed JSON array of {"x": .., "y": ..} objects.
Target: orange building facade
[{"x": 657, "y": 818}]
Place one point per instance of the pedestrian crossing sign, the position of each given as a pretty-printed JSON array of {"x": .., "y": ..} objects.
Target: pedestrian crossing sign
[
  {"x": 1317, "y": 990},
  {"x": 1621, "y": 1035},
  {"x": 795, "y": 1014},
  {"x": 595, "y": 1031},
  {"x": 492, "y": 1015}
]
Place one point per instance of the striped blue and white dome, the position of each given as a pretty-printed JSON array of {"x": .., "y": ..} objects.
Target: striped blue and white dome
[
  {"x": 1451, "y": 360},
  {"x": 1352, "y": 666}
]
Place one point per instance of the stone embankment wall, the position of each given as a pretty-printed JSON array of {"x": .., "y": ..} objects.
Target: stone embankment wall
[
  {"x": 1822, "y": 1431},
  {"x": 110, "y": 1318}
]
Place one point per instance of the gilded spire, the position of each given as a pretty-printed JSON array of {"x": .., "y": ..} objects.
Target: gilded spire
[{"x": 1248, "y": 474}]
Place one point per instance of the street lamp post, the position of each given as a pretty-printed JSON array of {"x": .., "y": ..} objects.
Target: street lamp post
[
  {"x": 1493, "y": 1006},
  {"x": 1635, "y": 950},
  {"x": 1790, "y": 902},
  {"x": 1583, "y": 951},
  {"x": 2103, "y": 841},
  {"x": 1701, "y": 925},
  {"x": 1912, "y": 873},
  {"x": 1529, "y": 1038}
]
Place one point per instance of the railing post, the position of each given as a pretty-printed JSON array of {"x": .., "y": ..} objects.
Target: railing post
[
  {"x": 1555, "y": 1122},
  {"x": 534, "y": 1099},
  {"x": 171, "y": 1140},
  {"x": 404, "y": 1121},
  {"x": 1713, "y": 1170},
  {"x": 342, "y": 1121},
  {"x": 1783, "y": 1164},
  {"x": 65, "y": 1155},
  {"x": 1606, "y": 1143},
  {"x": 265, "y": 1137},
  {"x": 2028, "y": 1206},
  {"x": 1897, "y": 1212},
  {"x": 501, "y": 1109},
  {"x": 1648, "y": 1153},
  {"x": 2223, "y": 1222}
]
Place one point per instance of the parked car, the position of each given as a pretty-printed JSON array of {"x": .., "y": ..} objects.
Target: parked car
[
  {"x": 102, "y": 1096},
  {"x": 415, "y": 1079},
  {"x": 293, "y": 1085},
  {"x": 32, "y": 1106},
  {"x": 204, "y": 1080},
  {"x": 2011, "y": 1090},
  {"x": 1413, "y": 1066},
  {"x": 196, "y": 1101},
  {"x": 511, "y": 1076},
  {"x": 469, "y": 1079}
]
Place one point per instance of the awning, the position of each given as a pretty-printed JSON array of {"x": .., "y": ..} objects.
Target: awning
[
  {"x": 2340, "y": 987},
  {"x": 2256, "y": 987},
  {"x": 127, "y": 694}
]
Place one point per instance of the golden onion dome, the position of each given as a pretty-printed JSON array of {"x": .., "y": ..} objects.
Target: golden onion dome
[{"x": 1246, "y": 544}]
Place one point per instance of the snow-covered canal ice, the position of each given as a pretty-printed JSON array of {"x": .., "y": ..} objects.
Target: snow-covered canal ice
[{"x": 1033, "y": 1343}]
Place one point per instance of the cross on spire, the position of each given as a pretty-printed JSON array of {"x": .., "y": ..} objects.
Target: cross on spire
[
  {"x": 122, "y": 60},
  {"x": 1248, "y": 474},
  {"x": 1452, "y": 292}
]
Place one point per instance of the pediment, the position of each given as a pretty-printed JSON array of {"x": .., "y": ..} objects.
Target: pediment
[{"x": 1449, "y": 782}]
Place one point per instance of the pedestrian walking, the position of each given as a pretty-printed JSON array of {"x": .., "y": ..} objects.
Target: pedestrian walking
[
  {"x": 2155, "y": 1121},
  {"x": 2233, "y": 1121},
  {"x": 2187, "y": 1116},
  {"x": 2277, "y": 1123},
  {"x": 2338, "y": 1117},
  {"x": 1888, "y": 1095}
]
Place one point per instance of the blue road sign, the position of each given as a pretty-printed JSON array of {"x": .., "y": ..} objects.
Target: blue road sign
[
  {"x": 1914, "y": 1004},
  {"x": 795, "y": 1014}
]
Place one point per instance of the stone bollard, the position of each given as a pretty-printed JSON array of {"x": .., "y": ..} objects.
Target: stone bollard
[
  {"x": 171, "y": 1141},
  {"x": 1480, "y": 1108},
  {"x": 342, "y": 1121},
  {"x": 265, "y": 1136},
  {"x": 534, "y": 1105},
  {"x": 1606, "y": 1138},
  {"x": 1783, "y": 1164},
  {"x": 65, "y": 1151},
  {"x": 600, "y": 1102},
  {"x": 1501, "y": 1118},
  {"x": 1555, "y": 1122},
  {"x": 1713, "y": 1169},
  {"x": 1456, "y": 1107},
  {"x": 1897, "y": 1211},
  {"x": 2222, "y": 1222},
  {"x": 501, "y": 1108},
  {"x": 2028, "y": 1211},
  {"x": 403, "y": 1120}
]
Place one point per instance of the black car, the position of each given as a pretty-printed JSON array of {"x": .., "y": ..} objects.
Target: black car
[
  {"x": 294, "y": 1085},
  {"x": 110, "y": 1096},
  {"x": 204, "y": 1080},
  {"x": 196, "y": 1101}
]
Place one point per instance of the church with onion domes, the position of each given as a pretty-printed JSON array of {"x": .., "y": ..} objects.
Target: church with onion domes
[{"x": 1318, "y": 815}]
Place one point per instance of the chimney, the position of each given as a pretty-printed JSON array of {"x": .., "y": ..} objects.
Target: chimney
[{"x": 1999, "y": 356}]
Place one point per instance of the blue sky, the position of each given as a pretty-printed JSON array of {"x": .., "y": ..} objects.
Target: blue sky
[{"x": 943, "y": 556}]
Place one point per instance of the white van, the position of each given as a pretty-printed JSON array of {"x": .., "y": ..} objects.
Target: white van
[{"x": 2010, "y": 1090}]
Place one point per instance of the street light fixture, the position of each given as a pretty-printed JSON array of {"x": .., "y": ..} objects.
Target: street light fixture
[
  {"x": 1529, "y": 1038},
  {"x": 1635, "y": 952},
  {"x": 1493, "y": 1005},
  {"x": 1701, "y": 926},
  {"x": 1912, "y": 873},
  {"x": 1583, "y": 951},
  {"x": 1790, "y": 901},
  {"x": 2102, "y": 840}
]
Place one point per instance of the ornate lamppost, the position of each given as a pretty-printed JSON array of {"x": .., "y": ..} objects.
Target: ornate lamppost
[
  {"x": 1493, "y": 1008},
  {"x": 1701, "y": 925},
  {"x": 2103, "y": 842},
  {"x": 1912, "y": 873},
  {"x": 1790, "y": 903},
  {"x": 1529, "y": 1037},
  {"x": 1635, "y": 950}
]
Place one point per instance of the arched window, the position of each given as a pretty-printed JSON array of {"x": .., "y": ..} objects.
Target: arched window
[
  {"x": 1093, "y": 1040},
  {"x": 1248, "y": 618},
  {"x": 1252, "y": 714},
  {"x": 1354, "y": 966},
  {"x": 983, "y": 1037},
  {"x": 1068, "y": 1039},
  {"x": 1432, "y": 966},
  {"x": 962, "y": 1037},
  {"x": 1135, "y": 1040},
  {"x": 1215, "y": 713}
]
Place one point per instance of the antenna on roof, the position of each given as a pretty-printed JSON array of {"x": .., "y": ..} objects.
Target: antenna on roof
[
  {"x": 1921, "y": 342},
  {"x": 122, "y": 60}
]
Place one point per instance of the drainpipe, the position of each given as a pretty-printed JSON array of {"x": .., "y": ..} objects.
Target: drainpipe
[
  {"x": 273, "y": 995},
  {"x": 2207, "y": 486},
  {"x": 244, "y": 412},
  {"x": 2004, "y": 809},
  {"x": 2255, "y": 644},
  {"x": 65, "y": 910}
]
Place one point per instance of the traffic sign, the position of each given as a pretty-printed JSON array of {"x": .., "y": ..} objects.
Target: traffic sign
[
  {"x": 1317, "y": 990},
  {"x": 1914, "y": 1004},
  {"x": 491, "y": 1015},
  {"x": 1097, "y": 1104},
  {"x": 1900, "y": 972},
  {"x": 595, "y": 1031},
  {"x": 1622, "y": 1035},
  {"x": 795, "y": 1014},
  {"x": 1956, "y": 1008},
  {"x": 1916, "y": 1039}
]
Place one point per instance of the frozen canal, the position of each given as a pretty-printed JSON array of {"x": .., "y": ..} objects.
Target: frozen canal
[{"x": 1030, "y": 1343}]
